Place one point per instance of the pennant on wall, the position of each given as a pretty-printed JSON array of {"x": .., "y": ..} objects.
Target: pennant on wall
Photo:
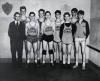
[
  {"x": 36, "y": 7},
  {"x": 65, "y": 8},
  {"x": 7, "y": 8}
]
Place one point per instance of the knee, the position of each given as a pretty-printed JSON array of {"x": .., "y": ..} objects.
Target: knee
[
  {"x": 29, "y": 51},
  {"x": 54, "y": 50},
  {"x": 59, "y": 50},
  {"x": 76, "y": 51},
  {"x": 50, "y": 51},
  {"x": 83, "y": 52},
  {"x": 44, "y": 52},
  {"x": 35, "y": 52},
  {"x": 64, "y": 52},
  {"x": 69, "y": 53}
]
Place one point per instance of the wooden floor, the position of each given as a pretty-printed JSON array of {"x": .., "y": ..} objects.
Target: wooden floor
[{"x": 47, "y": 73}]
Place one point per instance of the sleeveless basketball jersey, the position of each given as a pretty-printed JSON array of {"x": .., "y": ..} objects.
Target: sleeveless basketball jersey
[
  {"x": 32, "y": 30},
  {"x": 48, "y": 30},
  {"x": 67, "y": 35},
  {"x": 73, "y": 20},
  {"x": 57, "y": 30},
  {"x": 24, "y": 19}
]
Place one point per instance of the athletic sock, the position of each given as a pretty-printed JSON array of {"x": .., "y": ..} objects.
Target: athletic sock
[
  {"x": 83, "y": 64},
  {"x": 64, "y": 62},
  {"x": 28, "y": 61},
  {"x": 38, "y": 58},
  {"x": 68, "y": 62},
  {"x": 51, "y": 62},
  {"x": 35, "y": 61},
  {"x": 43, "y": 62},
  {"x": 76, "y": 63}
]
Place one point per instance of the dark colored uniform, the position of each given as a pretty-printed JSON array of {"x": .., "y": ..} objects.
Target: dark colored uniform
[
  {"x": 66, "y": 33},
  {"x": 48, "y": 33}
]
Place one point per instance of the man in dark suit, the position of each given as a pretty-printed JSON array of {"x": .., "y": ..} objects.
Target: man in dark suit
[{"x": 16, "y": 33}]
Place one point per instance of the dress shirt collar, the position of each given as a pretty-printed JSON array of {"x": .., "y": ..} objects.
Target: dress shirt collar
[{"x": 16, "y": 22}]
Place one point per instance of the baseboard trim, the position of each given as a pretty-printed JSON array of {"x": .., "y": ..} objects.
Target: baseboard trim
[
  {"x": 92, "y": 64},
  {"x": 9, "y": 60},
  {"x": 94, "y": 67}
]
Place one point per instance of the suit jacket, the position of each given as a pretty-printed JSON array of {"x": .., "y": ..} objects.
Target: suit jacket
[{"x": 16, "y": 32}]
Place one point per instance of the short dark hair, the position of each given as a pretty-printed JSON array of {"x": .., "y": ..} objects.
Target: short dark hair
[
  {"x": 58, "y": 11},
  {"x": 80, "y": 12},
  {"x": 66, "y": 13},
  {"x": 74, "y": 9},
  {"x": 16, "y": 13},
  {"x": 47, "y": 12},
  {"x": 31, "y": 13},
  {"x": 41, "y": 10},
  {"x": 22, "y": 7}
]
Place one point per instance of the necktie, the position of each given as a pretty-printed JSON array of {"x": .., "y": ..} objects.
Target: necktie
[{"x": 17, "y": 23}]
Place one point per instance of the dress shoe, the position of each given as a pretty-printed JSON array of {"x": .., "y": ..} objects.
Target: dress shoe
[
  {"x": 52, "y": 65},
  {"x": 75, "y": 66},
  {"x": 69, "y": 66},
  {"x": 83, "y": 68},
  {"x": 63, "y": 66},
  {"x": 42, "y": 65},
  {"x": 61, "y": 63},
  {"x": 28, "y": 65}
]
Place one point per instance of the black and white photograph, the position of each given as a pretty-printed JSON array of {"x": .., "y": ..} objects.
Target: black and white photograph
[{"x": 49, "y": 40}]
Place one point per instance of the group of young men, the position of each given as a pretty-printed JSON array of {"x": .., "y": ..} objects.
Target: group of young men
[{"x": 59, "y": 34}]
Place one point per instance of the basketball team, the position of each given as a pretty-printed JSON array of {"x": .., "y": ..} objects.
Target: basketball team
[{"x": 59, "y": 35}]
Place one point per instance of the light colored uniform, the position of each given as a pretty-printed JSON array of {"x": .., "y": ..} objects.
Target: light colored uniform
[
  {"x": 67, "y": 34},
  {"x": 32, "y": 34},
  {"x": 57, "y": 30},
  {"x": 48, "y": 29},
  {"x": 25, "y": 19},
  {"x": 73, "y": 20}
]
